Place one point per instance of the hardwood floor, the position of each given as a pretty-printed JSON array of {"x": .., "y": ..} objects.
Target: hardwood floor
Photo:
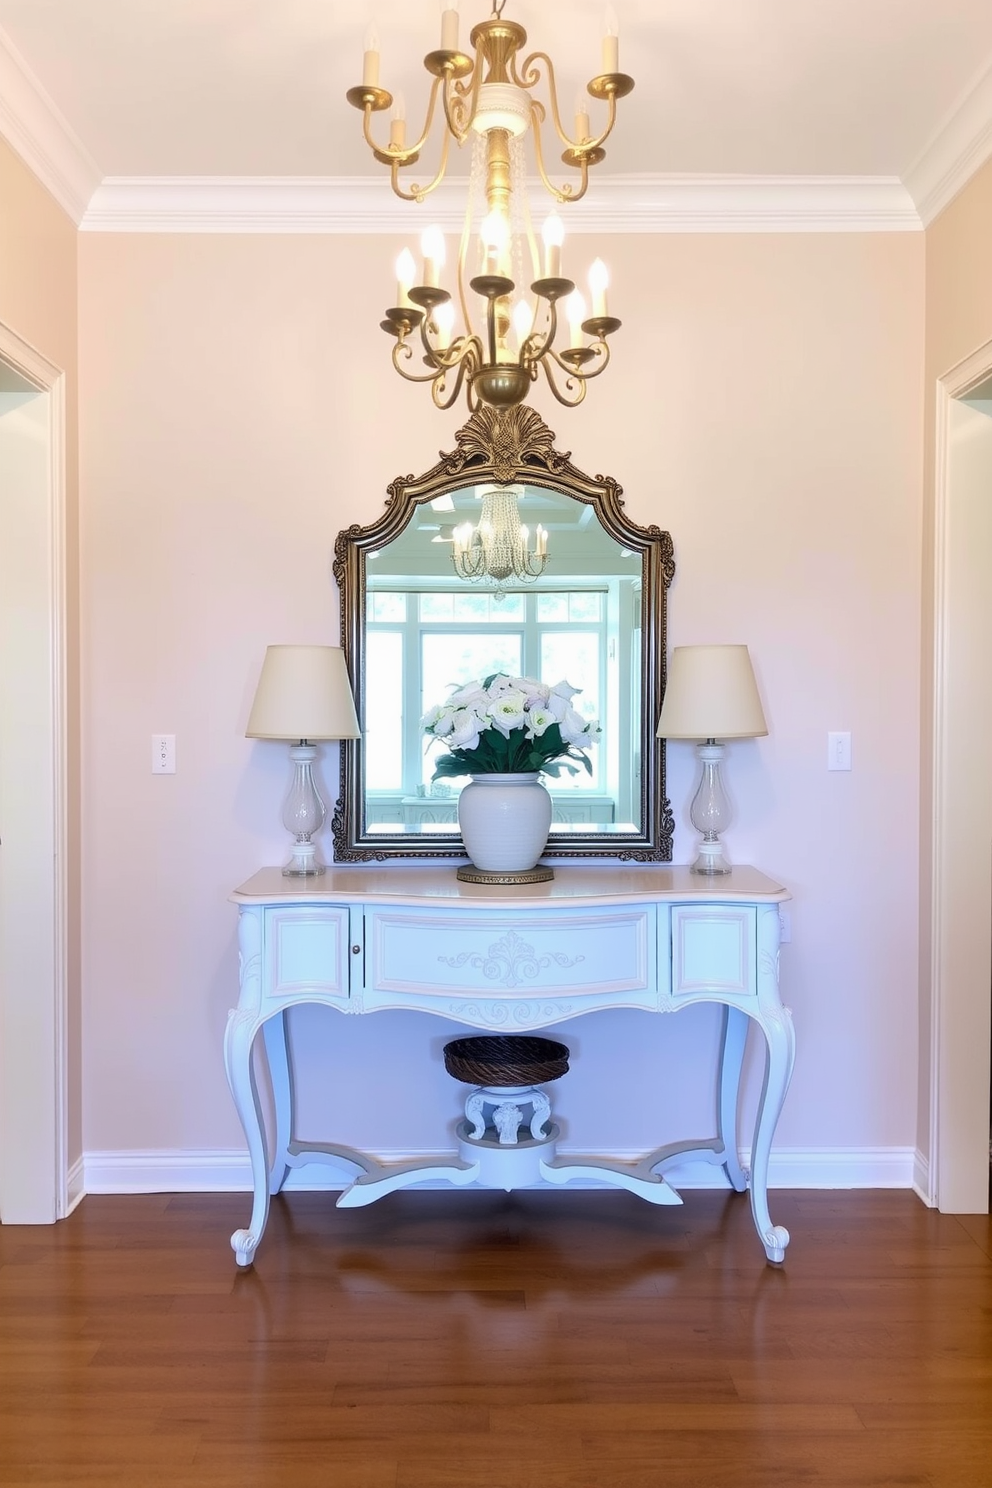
[{"x": 543, "y": 1340}]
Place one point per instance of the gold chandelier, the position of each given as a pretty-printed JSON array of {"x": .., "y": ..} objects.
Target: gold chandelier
[
  {"x": 489, "y": 97},
  {"x": 498, "y": 547}
]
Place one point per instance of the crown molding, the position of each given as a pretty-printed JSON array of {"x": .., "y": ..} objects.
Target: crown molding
[
  {"x": 960, "y": 146},
  {"x": 35, "y": 129},
  {"x": 617, "y": 204}
]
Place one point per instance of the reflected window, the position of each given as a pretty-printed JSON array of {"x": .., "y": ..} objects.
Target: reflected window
[
  {"x": 384, "y": 730},
  {"x": 421, "y": 645}
]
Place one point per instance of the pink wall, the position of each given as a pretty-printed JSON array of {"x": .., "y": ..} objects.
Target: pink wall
[
  {"x": 764, "y": 404},
  {"x": 38, "y": 301}
]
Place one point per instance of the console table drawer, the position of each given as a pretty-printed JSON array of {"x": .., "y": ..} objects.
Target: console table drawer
[
  {"x": 713, "y": 949},
  {"x": 307, "y": 949},
  {"x": 512, "y": 954}
]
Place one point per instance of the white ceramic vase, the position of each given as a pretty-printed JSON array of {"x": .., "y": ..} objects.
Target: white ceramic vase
[{"x": 504, "y": 821}]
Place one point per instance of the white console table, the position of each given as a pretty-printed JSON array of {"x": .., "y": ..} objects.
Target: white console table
[{"x": 509, "y": 959}]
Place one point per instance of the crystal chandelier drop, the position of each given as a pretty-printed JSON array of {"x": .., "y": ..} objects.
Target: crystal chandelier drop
[
  {"x": 507, "y": 289},
  {"x": 497, "y": 548}
]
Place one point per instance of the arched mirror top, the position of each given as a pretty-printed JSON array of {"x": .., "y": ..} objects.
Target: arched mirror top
[{"x": 590, "y": 608}]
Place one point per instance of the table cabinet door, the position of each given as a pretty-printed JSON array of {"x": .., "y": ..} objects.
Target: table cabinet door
[
  {"x": 713, "y": 950},
  {"x": 308, "y": 951}
]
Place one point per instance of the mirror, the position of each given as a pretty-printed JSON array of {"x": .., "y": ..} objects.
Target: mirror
[{"x": 584, "y": 602}]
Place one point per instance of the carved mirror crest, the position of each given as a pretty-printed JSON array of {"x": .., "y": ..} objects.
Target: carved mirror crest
[{"x": 413, "y": 628}]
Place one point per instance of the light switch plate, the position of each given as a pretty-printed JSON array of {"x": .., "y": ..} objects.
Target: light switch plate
[
  {"x": 163, "y": 754},
  {"x": 838, "y": 751}
]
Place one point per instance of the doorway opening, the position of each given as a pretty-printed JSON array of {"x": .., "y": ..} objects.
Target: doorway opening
[
  {"x": 33, "y": 863},
  {"x": 961, "y": 1021}
]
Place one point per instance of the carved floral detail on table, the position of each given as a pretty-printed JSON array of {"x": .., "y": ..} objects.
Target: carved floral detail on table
[
  {"x": 510, "y": 960},
  {"x": 518, "y": 1014}
]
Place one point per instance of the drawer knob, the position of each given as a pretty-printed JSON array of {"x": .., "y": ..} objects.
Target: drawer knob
[{"x": 355, "y": 950}]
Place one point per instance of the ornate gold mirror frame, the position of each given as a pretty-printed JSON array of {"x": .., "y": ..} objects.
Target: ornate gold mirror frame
[{"x": 504, "y": 446}]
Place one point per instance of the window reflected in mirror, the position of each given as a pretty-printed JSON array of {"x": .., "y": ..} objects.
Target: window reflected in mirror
[{"x": 428, "y": 631}]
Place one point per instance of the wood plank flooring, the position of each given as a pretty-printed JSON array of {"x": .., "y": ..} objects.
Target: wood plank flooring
[{"x": 541, "y": 1340}]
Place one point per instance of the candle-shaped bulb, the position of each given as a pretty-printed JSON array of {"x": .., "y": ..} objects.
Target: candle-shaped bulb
[
  {"x": 397, "y": 121},
  {"x": 553, "y": 233},
  {"x": 542, "y": 541},
  {"x": 598, "y": 280},
  {"x": 582, "y": 130},
  {"x": 463, "y": 537},
  {"x": 523, "y": 322},
  {"x": 495, "y": 233},
  {"x": 575, "y": 309},
  {"x": 370, "y": 60},
  {"x": 432, "y": 244},
  {"x": 405, "y": 270},
  {"x": 611, "y": 41},
  {"x": 449, "y": 25},
  {"x": 444, "y": 324},
  {"x": 524, "y": 535}
]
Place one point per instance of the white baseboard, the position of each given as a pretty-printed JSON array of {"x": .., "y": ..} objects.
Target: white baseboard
[
  {"x": 75, "y": 1186},
  {"x": 921, "y": 1179},
  {"x": 226, "y": 1171}
]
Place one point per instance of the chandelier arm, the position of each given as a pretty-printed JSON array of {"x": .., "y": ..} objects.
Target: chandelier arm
[
  {"x": 491, "y": 328},
  {"x": 564, "y": 193},
  {"x": 540, "y": 342},
  {"x": 437, "y": 387},
  {"x": 595, "y": 144},
  {"x": 367, "y": 132},
  {"x": 580, "y": 391},
  {"x": 460, "y": 349},
  {"x": 459, "y": 101},
  {"x": 431, "y": 105},
  {"x": 527, "y": 76},
  {"x": 530, "y": 75},
  {"x": 460, "y": 109},
  {"x": 599, "y": 349},
  {"x": 404, "y": 349},
  {"x": 417, "y": 193}
]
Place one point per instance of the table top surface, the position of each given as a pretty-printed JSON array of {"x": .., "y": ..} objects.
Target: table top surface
[{"x": 572, "y": 885}]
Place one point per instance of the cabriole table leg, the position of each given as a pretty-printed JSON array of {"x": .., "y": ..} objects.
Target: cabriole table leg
[{"x": 242, "y": 1025}]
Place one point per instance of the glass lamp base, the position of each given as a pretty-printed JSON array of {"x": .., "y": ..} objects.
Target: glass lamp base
[
  {"x": 710, "y": 811},
  {"x": 711, "y": 859},
  {"x": 304, "y": 862}
]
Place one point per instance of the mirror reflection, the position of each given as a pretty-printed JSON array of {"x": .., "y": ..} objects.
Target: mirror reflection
[{"x": 518, "y": 579}]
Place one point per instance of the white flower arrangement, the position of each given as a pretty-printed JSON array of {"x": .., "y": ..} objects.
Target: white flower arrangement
[{"x": 510, "y": 725}]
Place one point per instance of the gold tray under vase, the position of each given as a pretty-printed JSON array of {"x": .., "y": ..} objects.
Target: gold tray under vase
[{"x": 470, "y": 874}]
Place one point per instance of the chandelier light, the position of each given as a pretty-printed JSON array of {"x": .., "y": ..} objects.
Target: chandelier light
[
  {"x": 507, "y": 288},
  {"x": 498, "y": 547}
]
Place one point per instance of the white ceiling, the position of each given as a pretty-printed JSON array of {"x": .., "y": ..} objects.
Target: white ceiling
[{"x": 255, "y": 88}]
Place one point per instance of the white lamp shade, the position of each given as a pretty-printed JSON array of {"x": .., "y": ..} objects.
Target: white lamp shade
[
  {"x": 711, "y": 694},
  {"x": 303, "y": 693}
]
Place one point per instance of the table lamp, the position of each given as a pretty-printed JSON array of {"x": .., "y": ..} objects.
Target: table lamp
[
  {"x": 303, "y": 693},
  {"x": 711, "y": 695}
]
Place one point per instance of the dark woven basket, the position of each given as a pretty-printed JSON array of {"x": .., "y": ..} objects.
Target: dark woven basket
[{"x": 503, "y": 1059}]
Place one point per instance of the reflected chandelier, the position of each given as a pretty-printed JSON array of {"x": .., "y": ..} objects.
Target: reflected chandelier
[
  {"x": 498, "y": 547},
  {"x": 490, "y": 97}
]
